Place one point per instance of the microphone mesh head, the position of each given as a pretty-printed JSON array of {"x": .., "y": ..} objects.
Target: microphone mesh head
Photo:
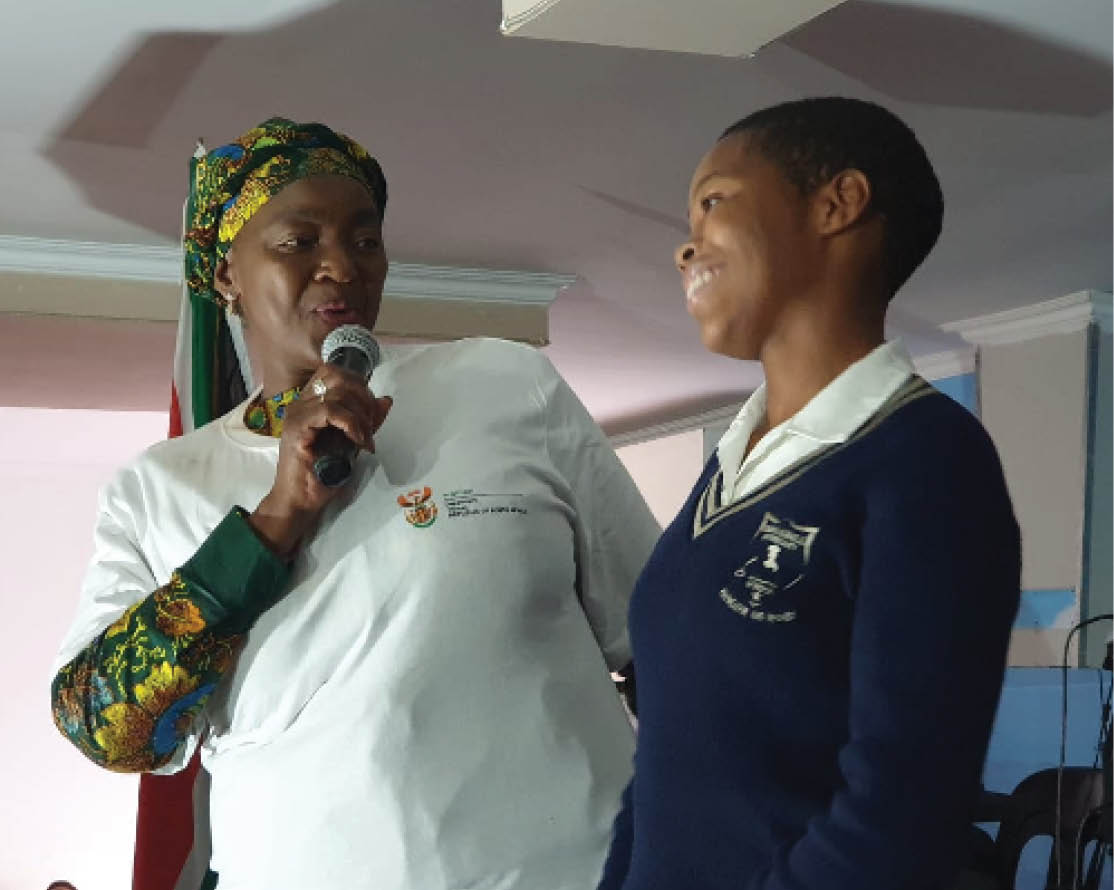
[{"x": 351, "y": 336}]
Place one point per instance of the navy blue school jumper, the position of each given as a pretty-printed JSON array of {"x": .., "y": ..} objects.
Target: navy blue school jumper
[{"x": 819, "y": 664}]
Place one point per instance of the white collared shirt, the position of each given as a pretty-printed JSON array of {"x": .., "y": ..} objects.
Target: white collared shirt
[{"x": 832, "y": 415}]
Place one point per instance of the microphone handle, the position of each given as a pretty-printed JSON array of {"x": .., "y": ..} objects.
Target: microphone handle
[
  {"x": 335, "y": 451},
  {"x": 335, "y": 454}
]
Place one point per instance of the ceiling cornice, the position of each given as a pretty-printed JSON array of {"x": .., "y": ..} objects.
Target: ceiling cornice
[
  {"x": 941, "y": 365},
  {"x": 90, "y": 259},
  {"x": 474, "y": 285},
  {"x": 678, "y": 425},
  {"x": 1064, "y": 315},
  {"x": 163, "y": 265}
]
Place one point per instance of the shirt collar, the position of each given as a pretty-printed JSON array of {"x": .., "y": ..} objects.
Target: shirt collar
[
  {"x": 733, "y": 443},
  {"x": 850, "y": 400},
  {"x": 833, "y": 414}
]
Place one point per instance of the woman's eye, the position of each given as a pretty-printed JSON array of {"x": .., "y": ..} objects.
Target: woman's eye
[
  {"x": 294, "y": 242},
  {"x": 367, "y": 242}
]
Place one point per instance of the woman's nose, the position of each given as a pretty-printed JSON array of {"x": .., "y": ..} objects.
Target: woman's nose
[{"x": 337, "y": 263}]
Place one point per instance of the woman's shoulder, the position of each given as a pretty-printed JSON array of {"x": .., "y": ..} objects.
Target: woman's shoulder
[
  {"x": 160, "y": 467},
  {"x": 180, "y": 450}
]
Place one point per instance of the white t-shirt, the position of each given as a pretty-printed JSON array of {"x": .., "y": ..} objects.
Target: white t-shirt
[{"x": 429, "y": 705}]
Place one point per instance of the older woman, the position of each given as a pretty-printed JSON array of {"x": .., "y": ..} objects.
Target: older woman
[
  {"x": 395, "y": 684},
  {"x": 820, "y": 635}
]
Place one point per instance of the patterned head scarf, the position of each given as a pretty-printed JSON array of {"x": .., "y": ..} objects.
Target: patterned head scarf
[
  {"x": 227, "y": 187},
  {"x": 229, "y": 184}
]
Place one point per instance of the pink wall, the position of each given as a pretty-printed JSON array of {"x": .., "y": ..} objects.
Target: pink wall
[
  {"x": 61, "y": 362},
  {"x": 62, "y": 817},
  {"x": 664, "y": 470}
]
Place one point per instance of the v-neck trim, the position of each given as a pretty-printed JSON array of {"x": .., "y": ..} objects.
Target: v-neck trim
[{"x": 710, "y": 507}]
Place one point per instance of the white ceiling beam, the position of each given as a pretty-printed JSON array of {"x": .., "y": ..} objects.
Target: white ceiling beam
[
  {"x": 941, "y": 365},
  {"x": 1064, "y": 315},
  {"x": 163, "y": 265},
  {"x": 711, "y": 27},
  {"x": 675, "y": 426}
]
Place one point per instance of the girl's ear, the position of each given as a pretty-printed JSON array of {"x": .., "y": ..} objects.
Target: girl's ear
[{"x": 842, "y": 202}]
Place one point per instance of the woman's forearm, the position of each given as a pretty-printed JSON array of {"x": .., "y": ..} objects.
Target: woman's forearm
[{"x": 128, "y": 699}]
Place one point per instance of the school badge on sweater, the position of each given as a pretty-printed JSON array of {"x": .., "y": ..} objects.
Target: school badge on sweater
[{"x": 775, "y": 561}]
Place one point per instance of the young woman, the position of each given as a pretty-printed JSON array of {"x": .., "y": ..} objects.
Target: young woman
[
  {"x": 820, "y": 635},
  {"x": 399, "y": 683}
]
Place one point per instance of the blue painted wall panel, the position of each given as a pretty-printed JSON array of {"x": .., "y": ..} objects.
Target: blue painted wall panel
[
  {"x": 1026, "y": 735},
  {"x": 1044, "y": 609},
  {"x": 963, "y": 388},
  {"x": 1026, "y": 738}
]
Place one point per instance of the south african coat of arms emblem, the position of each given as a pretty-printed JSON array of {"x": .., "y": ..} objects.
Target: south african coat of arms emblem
[{"x": 419, "y": 510}]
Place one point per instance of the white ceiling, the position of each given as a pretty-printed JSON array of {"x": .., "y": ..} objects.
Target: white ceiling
[{"x": 510, "y": 153}]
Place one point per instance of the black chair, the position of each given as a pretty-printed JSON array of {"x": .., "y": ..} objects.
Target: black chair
[{"x": 1030, "y": 812}]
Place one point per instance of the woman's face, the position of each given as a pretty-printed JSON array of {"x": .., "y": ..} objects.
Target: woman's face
[
  {"x": 309, "y": 260},
  {"x": 748, "y": 254}
]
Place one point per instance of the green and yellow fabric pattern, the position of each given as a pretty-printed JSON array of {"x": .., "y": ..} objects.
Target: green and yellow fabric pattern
[
  {"x": 129, "y": 699},
  {"x": 266, "y": 415}
]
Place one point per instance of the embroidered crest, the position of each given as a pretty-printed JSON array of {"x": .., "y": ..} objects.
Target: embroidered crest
[
  {"x": 778, "y": 557},
  {"x": 419, "y": 510}
]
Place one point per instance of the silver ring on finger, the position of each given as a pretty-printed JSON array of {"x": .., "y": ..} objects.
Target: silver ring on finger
[{"x": 318, "y": 388}]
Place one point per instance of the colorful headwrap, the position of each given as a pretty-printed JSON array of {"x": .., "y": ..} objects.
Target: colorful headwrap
[
  {"x": 229, "y": 184},
  {"x": 227, "y": 187}
]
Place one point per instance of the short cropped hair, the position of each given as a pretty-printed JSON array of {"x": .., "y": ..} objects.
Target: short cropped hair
[{"x": 812, "y": 140}]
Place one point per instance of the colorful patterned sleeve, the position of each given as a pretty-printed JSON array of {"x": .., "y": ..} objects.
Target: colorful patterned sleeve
[{"x": 128, "y": 700}]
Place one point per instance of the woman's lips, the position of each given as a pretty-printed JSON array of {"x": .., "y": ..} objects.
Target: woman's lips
[{"x": 335, "y": 314}]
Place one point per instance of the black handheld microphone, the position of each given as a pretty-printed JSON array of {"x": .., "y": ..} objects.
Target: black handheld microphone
[{"x": 351, "y": 347}]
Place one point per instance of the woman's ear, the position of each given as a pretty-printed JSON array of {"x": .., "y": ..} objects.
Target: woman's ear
[
  {"x": 842, "y": 202},
  {"x": 222, "y": 281}
]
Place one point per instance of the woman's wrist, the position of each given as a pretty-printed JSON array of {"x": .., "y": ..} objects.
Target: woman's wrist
[{"x": 281, "y": 531}]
